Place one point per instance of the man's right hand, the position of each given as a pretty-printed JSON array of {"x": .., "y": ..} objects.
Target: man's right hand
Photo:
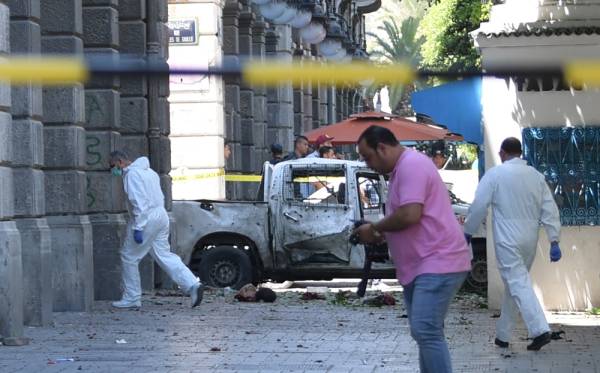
[{"x": 367, "y": 234}]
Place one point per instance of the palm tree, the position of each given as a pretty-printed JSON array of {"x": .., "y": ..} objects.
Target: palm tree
[{"x": 397, "y": 40}]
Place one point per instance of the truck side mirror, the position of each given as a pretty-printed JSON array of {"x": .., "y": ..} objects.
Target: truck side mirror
[{"x": 341, "y": 194}]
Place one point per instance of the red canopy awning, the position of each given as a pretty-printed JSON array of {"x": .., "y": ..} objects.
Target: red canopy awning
[{"x": 348, "y": 131}]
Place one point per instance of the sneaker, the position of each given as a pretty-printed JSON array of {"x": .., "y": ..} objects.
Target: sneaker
[
  {"x": 540, "y": 341},
  {"x": 123, "y": 303},
  {"x": 500, "y": 343},
  {"x": 196, "y": 294}
]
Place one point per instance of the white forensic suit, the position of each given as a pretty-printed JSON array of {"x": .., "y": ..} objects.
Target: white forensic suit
[
  {"x": 520, "y": 200},
  {"x": 147, "y": 214}
]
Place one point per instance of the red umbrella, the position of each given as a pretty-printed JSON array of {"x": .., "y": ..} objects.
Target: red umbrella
[{"x": 348, "y": 131}]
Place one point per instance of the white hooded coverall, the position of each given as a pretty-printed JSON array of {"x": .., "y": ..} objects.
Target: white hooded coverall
[
  {"x": 147, "y": 214},
  {"x": 520, "y": 200}
]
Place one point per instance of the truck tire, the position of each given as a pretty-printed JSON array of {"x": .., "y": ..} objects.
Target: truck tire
[
  {"x": 225, "y": 266},
  {"x": 476, "y": 281}
]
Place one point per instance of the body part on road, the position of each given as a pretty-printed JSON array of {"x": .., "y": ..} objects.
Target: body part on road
[
  {"x": 520, "y": 200},
  {"x": 147, "y": 231},
  {"x": 427, "y": 245}
]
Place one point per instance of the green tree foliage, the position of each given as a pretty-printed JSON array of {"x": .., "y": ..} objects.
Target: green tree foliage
[
  {"x": 446, "y": 28},
  {"x": 396, "y": 39}
]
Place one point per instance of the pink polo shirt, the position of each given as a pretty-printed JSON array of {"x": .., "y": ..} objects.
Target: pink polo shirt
[{"x": 435, "y": 244}]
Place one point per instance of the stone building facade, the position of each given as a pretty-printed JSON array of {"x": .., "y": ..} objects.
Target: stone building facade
[
  {"x": 207, "y": 113},
  {"x": 61, "y": 212}
]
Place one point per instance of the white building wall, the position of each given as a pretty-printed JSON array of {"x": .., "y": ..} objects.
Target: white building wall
[
  {"x": 573, "y": 283},
  {"x": 197, "y": 120}
]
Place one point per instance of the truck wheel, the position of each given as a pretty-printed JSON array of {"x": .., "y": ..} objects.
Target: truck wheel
[
  {"x": 477, "y": 279},
  {"x": 225, "y": 266}
]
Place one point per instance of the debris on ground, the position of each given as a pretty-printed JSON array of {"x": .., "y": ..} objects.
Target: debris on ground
[
  {"x": 384, "y": 299},
  {"x": 311, "y": 296},
  {"x": 215, "y": 349},
  {"x": 120, "y": 341},
  {"x": 317, "y": 289},
  {"x": 61, "y": 360},
  {"x": 344, "y": 298},
  {"x": 557, "y": 334},
  {"x": 266, "y": 295}
]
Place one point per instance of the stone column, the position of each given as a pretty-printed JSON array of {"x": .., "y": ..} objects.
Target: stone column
[
  {"x": 28, "y": 159},
  {"x": 316, "y": 104},
  {"x": 158, "y": 116},
  {"x": 246, "y": 22},
  {"x": 280, "y": 110},
  {"x": 323, "y": 105},
  {"x": 233, "y": 129},
  {"x": 345, "y": 94},
  {"x": 298, "y": 111},
  {"x": 134, "y": 98},
  {"x": 331, "y": 105},
  {"x": 338, "y": 105},
  {"x": 104, "y": 193},
  {"x": 65, "y": 161},
  {"x": 11, "y": 276},
  {"x": 197, "y": 150},
  {"x": 261, "y": 145},
  {"x": 307, "y": 115}
]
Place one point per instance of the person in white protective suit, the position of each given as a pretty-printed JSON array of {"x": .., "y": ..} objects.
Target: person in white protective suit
[
  {"x": 147, "y": 231},
  {"x": 520, "y": 200}
]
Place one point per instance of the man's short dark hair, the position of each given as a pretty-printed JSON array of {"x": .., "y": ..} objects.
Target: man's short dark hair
[
  {"x": 438, "y": 148},
  {"x": 324, "y": 150},
  {"x": 511, "y": 145},
  {"x": 375, "y": 135},
  {"x": 119, "y": 155},
  {"x": 300, "y": 138}
]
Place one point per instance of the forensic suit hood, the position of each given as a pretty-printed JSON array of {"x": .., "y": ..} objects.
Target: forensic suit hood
[{"x": 142, "y": 186}]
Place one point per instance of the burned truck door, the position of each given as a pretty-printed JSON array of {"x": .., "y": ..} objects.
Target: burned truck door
[{"x": 315, "y": 217}]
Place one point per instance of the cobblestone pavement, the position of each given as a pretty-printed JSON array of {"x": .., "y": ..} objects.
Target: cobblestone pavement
[{"x": 290, "y": 335}]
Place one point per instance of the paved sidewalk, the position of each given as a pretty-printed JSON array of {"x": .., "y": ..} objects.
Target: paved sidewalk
[{"x": 291, "y": 335}]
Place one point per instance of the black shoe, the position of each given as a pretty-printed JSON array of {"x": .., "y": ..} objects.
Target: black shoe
[
  {"x": 540, "y": 341},
  {"x": 501, "y": 343}
]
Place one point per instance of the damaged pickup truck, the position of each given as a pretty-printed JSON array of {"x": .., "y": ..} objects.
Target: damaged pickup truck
[{"x": 298, "y": 230}]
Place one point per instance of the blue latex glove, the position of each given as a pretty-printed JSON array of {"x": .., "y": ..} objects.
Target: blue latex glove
[
  {"x": 138, "y": 236},
  {"x": 555, "y": 253},
  {"x": 468, "y": 238}
]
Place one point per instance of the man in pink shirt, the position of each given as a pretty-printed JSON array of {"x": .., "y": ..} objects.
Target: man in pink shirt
[{"x": 426, "y": 242}]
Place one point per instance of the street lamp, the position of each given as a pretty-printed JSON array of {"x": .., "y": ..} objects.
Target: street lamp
[
  {"x": 272, "y": 10},
  {"x": 313, "y": 33}
]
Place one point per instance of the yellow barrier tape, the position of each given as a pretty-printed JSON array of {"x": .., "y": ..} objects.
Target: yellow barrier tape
[
  {"x": 228, "y": 177},
  {"x": 246, "y": 178},
  {"x": 46, "y": 70},
  {"x": 583, "y": 72},
  {"x": 274, "y": 73}
]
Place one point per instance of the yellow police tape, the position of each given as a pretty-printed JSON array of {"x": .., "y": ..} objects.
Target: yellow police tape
[
  {"x": 228, "y": 177},
  {"x": 583, "y": 72},
  {"x": 296, "y": 73},
  {"x": 53, "y": 70},
  {"x": 46, "y": 70},
  {"x": 253, "y": 178}
]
